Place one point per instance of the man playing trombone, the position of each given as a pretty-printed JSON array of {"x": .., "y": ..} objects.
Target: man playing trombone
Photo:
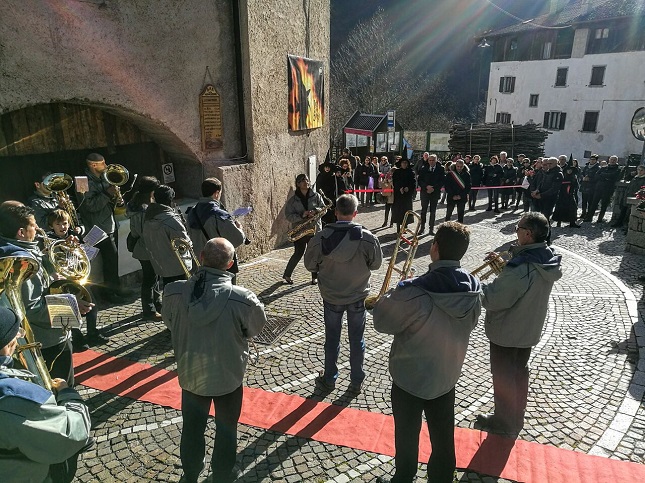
[{"x": 344, "y": 254}]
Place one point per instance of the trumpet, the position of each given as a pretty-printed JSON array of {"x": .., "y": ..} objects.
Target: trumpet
[
  {"x": 181, "y": 248},
  {"x": 494, "y": 264},
  {"x": 411, "y": 238},
  {"x": 58, "y": 184}
]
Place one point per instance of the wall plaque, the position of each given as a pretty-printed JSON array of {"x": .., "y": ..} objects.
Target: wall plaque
[{"x": 210, "y": 116}]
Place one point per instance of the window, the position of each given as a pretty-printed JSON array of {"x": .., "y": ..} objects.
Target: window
[
  {"x": 507, "y": 84},
  {"x": 597, "y": 75},
  {"x": 600, "y": 41},
  {"x": 546, "y": 50},
  {"x": 561, "y": 77},
  {"x": 533, "y": 100},
  {"x": 503, "y": 118},
  {"x": 512, "y": 50},
  {"x": 554, "y": 120},
  {"x": 601, "y": 34},
  {"x": 590, "y": 123}
]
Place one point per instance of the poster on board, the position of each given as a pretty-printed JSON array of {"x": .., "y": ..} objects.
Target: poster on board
[{"x": 306, "y": 93}]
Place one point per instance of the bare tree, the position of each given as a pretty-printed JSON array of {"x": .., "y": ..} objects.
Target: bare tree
[{"x": 371, "y": 73}]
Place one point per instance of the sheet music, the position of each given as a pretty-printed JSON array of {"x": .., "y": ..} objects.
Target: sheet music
[
  {"x": 90, "y": 251},
  {"x": 94, "y": 236},
  {"x": 244, "y": 210},
  {"x": 63, "y": 311}
]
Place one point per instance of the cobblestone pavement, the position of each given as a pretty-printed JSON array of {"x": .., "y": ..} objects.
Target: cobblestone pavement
[{"x": 586, "y": 387}]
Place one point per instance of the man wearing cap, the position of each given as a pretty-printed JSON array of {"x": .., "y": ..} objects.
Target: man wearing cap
[
  {"x": 42, "y": 432},
  {"x": 97, "y": 208}
]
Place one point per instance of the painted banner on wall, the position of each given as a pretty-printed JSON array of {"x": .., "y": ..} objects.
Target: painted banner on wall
[{"x": 306, "y": 93}]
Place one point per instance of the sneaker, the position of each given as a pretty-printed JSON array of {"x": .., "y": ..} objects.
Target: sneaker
[
  {"x": 323, "y": 384},
  {"x": 154, "y": 316}
]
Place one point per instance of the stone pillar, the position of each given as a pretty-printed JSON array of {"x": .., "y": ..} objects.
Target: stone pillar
[
  {"x": 635, "y": 241},
  {"x": 619, "y": 200}
]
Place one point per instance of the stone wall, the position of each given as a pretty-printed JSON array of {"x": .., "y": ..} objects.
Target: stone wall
[{"x": 147, "y": 60}]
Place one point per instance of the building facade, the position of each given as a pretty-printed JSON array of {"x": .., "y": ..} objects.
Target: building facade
[
  {"x": 107, "y": 75},
  {"x": 578, "y": 70}
]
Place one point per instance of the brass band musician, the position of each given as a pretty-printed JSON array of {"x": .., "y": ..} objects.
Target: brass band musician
[{"x": 301, "y": 206}]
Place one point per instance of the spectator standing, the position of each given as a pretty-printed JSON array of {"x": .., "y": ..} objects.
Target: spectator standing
[
  {"x": 606, "y": 178},
  {"x": 457, "y": 185},
  {"x": 476, "y": 178},
  {"x": 404, "y": 186},
  {"x": 588, "y": 186},
  {"x": 492, "y": 177},
  {"x": 431, "y": 180}
]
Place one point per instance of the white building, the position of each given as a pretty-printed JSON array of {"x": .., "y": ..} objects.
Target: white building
[{"x": 578, "y": 70}]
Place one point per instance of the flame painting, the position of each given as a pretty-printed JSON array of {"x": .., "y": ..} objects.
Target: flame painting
[{"x": 306, "y": 93}]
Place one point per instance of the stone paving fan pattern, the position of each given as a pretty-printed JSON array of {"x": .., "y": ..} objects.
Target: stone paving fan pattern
[{"x": 582, "y": 377}]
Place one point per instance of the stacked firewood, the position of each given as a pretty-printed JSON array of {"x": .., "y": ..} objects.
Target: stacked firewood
[{"x": 488, "y": 139}]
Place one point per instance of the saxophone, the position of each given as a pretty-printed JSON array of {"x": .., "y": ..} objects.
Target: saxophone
[
  {"x": 308, "y": 227},
  {"x": 13, "y": 272}
]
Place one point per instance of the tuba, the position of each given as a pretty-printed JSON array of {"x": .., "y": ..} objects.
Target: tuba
[
  {"x": 117, "y": 176},
  {"x": 308, "y": 227},
  {"x": 58, "y": 184},
  {"x": 69, "y": 260},
  {"x": 13, "y": 272},
  {"x": 182, "y": 248},
  {"x": 411, "y": 239},
  {"x": 494, "y": 264}
]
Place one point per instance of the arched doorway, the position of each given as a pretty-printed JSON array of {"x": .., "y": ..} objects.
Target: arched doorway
[{"x": 57, "y": 137}]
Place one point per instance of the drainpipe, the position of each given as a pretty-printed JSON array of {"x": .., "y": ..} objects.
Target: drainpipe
[{"x": 237, "y": 33}]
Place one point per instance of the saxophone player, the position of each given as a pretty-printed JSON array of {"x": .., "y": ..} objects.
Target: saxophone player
[{"x": 304, "y": 204}]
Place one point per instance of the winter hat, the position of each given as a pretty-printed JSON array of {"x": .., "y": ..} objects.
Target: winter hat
[{"x": 9, "y": 325}]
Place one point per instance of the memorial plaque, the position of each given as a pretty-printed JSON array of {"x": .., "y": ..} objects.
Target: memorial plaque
[{"x": 210, "y": 115}]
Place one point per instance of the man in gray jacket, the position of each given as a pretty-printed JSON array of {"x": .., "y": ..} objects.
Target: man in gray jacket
[
  {"x": 42, "y": 432},
  {"x": 516, "y": 304},
  {"x": 431, "y": 318},
  {"x": 344, "y": 254},
  {"x": 211, "y": 321},
  {"x": 97, "y": 208}
]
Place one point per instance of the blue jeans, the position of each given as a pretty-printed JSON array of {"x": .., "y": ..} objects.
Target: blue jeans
[{"x": 356, "y": 316}]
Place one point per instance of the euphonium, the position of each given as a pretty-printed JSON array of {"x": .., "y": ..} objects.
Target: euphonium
[
  {"x": 495, "y": 263},
  {"x": 69, "y": 260},
  {"x": 117, "y": 176},
  {"x": 308, "y": 227},
  {"x": 13, "y": 272},
  {"x": 411, "y": 239},
  {"x": 181, "y": 247},
  {"x": 58, "y": 184}
]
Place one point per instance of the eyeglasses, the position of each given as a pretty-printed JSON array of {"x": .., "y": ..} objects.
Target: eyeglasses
[{"x": 518, "y": 227}]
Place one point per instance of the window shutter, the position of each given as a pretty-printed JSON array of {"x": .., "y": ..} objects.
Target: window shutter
[
  {"x": 512, "y": 84},
  {"x": 563, "y": 117},
  {"x": 501, "y": 84},
  {"x": 498, "y": 117},
  {"x": 545, "y": 124}
]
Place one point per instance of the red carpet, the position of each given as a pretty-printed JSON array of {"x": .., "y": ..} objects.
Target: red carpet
[{"x": 363, "y": 430}]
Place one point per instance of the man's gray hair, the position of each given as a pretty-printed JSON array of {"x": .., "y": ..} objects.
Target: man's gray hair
[
  {"x": 537, "y": 223},
  {"x": 218, "y": 253},
  {"x": 346, "y": 204}
]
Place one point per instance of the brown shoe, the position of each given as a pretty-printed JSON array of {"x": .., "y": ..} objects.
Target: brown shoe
[{"x": 154, "y": 316}]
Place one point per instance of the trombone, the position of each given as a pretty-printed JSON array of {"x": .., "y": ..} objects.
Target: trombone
[
  {"x": 409, "y": 237},
  {"x": 181, "y": 247}
]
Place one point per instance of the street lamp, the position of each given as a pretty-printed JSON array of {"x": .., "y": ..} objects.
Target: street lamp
[{"x": 482, "y": 45}]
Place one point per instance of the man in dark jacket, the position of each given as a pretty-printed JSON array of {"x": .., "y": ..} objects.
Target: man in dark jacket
[
  {"x": 430, "y": 181},
  {"x": 588, "y": 185},
  {"x": 431, "y": 318},
  {"x": 516, "y": 304},
  {"x": 548, "y": 190},
  {"x": 606, "y": 178},
  {"x": 492, "y": 177},
  {"x": 476, "y": 178},
  {"x": 457, "y": 186}
]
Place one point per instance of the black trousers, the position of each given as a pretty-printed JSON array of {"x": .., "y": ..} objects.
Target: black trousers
[
  {"x": 510, "y": 369},
  {"x": 473, "y": 198},
  {"x": 493, "y": 198},
  {"x": 150, "y": 293},
  {"x": 110, "y": 257},
  {"x": 429, "y": 203},
  {"x": 300, "y": 247},
  {"x": 587, "y": 200},
  {"x": 461, "y": 208},
  {"x": 194, "y": 413},
  {"x": 388, "y": 209},
  {"x": 440, "y": 416},
  {"x": 60, "y": 356},
  {"x": 602, "y": 198}
]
